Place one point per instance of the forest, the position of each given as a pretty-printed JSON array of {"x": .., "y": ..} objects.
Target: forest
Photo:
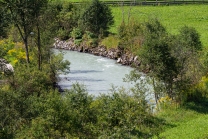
[{"x": 31, "y": 106}]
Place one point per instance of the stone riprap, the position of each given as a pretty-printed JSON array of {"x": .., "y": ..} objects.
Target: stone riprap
[{"x": 117, "y": 54}]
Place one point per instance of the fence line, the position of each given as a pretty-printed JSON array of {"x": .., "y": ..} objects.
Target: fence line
[{"x": 156, "y": 2}]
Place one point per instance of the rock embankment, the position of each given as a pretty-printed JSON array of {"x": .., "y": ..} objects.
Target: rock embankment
[{"x": 117, "y": 54}]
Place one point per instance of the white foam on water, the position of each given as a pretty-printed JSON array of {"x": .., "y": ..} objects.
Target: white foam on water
[
  {"x": 109, "y": 65},
  {"x": 101, "y": 60}
]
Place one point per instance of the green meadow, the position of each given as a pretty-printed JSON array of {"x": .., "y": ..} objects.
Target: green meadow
[
  {"x": 172, "y": 17},
  {"x": 186, "y": 122}
]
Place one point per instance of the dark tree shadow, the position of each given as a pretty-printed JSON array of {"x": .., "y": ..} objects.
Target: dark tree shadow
[
  {"x": 198, "y": 106},
  {"x": 154, "y": 127}
]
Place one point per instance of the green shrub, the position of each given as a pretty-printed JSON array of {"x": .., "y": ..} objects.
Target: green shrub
[
  {"x": 63, "y": 34},
  {"x": 78, "y": 41},
  {"x": 110, "y": 42},
  {"x": 130, "y": 36},
  {"x": 76, "y": 33},
  {"x": 90, "y": 35}
]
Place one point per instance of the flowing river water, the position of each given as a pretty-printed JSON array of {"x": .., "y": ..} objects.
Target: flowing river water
[{"x": 96, "y": 73}]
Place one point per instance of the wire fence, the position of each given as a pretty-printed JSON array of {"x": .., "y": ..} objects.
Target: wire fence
[{"x": 150, "y": 2}]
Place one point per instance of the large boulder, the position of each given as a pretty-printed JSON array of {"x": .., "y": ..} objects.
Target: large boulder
[{"x": 5, "y": 66}]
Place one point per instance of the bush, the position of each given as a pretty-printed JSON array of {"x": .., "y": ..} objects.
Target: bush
[
  {"x": 12, "y": 52},
  {"x": 76, "y": 33},
  {"x": 78, "y": 41},
  {"x": 110, "y": 42},
  {"x": 172, "y": 60},
  {"x": 63, "y": 34},
  {"x": 130, "y": 36}
]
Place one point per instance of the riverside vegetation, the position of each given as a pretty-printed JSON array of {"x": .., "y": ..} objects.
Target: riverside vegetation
[{"x": 31, "y": 106}]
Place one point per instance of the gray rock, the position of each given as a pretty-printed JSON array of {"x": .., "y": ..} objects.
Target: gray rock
[{"x": 119, "y": 60}]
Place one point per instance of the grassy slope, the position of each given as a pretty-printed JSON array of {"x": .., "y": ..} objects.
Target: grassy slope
[
  {"x": 196, "y": 128},
  {"x": 172, "y": 17},
  {"x": 189, "y": 122}
]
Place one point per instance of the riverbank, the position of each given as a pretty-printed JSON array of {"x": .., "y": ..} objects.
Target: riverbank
[{"x": 117, "y": 54}]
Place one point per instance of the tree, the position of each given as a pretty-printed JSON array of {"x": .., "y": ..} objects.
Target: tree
[
  {"x": 24, "y": 15},
  {"x": 157, "y": 59},
  {"x": 67, "y": 19},
  {"x": 4, "y": 22},
  {"x": 96, "y": 18},
  {"x": 171, "y": 61},
  {"x": 38, "y": 11},
  {"x": 186, "y": 48}
]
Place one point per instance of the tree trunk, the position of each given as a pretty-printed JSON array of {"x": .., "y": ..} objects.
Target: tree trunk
[
  {"x": 26, "y": 50},
  {"x": 23, "y": 36},
  {"x": 39, "y": 47}
]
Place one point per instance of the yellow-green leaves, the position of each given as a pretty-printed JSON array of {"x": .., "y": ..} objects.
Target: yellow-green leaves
[{"x": 12, "y": 52}]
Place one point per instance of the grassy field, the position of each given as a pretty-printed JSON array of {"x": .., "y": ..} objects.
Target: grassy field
[
  {"x": 172, "y": 17},
  {"x": 187, "y": 122},
  {"x": 193, "y": 129}
]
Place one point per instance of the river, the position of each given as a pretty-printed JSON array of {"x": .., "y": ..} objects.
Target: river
[{"x": 96, "y": 73}]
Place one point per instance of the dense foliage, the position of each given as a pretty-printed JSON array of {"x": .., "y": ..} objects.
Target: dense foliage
[
  {"x": 96, "y": 18},
  {"x": 4, "y": 23},
  {"x": 76, "y": 114},
  {"x": 171, "y": 61},
  {"x": 32, "y": 107}
]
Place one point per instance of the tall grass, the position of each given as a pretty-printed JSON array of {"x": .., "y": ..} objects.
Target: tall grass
[{"x": 172, "y": 17}]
